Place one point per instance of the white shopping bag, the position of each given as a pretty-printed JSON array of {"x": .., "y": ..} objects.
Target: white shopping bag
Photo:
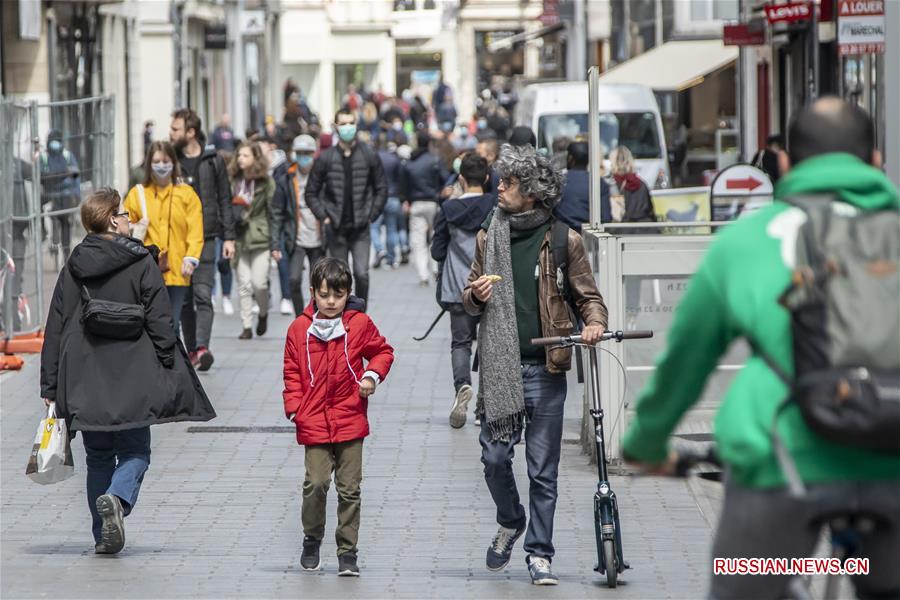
[{"x": 51, "y": 456}]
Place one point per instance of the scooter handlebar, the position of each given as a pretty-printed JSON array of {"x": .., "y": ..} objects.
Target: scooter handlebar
[{"x": 569, "y": 340}]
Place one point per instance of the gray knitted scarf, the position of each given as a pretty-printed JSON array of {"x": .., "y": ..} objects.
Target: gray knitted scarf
[{"x": 500, "y": 391}]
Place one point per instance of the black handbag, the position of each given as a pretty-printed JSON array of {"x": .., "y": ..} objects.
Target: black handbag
[{"x": 108, "y": 319}]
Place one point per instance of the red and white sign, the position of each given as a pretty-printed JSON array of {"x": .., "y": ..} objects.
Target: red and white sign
[
  {"x": 788, "y": 13},
  {"x": 742, "y": 180},
  {"x": 860, "y": 27},
  {"x": 743, "y": 34}
]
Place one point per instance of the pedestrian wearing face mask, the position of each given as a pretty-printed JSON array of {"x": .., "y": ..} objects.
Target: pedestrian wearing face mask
[
  {"x": 293, "y": 223},
  {"x": 167, "y": 213},
  {"x": 347, "y": 191},
  {"x": 60, "y": 189},
  {"x": 256, "y": 239}
]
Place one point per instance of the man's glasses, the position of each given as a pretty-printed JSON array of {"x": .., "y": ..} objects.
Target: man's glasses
[{"x": 122, "y": 214}]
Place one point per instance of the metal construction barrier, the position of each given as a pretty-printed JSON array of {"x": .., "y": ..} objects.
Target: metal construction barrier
[
  {"x": 642, "y": 278},
  {"x": 643, "y": 275},
  {"x": 51, "y": 157}
]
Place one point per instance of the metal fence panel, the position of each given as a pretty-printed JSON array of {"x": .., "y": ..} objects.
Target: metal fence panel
[{"x": 52, "y": 156}]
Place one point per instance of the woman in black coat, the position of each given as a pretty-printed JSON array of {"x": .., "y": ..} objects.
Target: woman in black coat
[{"x": 112, "y": 390}]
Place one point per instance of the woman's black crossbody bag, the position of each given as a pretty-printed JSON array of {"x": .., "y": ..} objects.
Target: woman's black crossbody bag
[{"x": 114, "y": 320}]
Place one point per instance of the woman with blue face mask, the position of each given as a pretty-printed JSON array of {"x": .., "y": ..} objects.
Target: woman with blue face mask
[
  {"x": 167, "y": 214},
  {"x": 294, "y": 224}
]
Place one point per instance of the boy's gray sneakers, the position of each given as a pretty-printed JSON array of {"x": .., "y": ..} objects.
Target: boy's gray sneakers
[
  {"x": 539, "y": 569},
  {"x": 347, "y": 566},
  {"x": 112, "y": 532},
  {"x": 458, "y": 413},
  {"x": 309, "y": 558},
  {"x": 500, "y": 551}
]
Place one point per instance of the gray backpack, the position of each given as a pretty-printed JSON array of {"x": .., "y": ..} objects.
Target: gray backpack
[{"x": 844, "y": 300}]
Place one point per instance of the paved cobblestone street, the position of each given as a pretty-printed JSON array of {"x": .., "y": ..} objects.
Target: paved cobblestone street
[{"x": 218, "y": 514}]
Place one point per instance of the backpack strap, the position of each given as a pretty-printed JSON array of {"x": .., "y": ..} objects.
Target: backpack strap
[
  {"x": 559, "y": 254},
  {"x": 143, "y": 200}
]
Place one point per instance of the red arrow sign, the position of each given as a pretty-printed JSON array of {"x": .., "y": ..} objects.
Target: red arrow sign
[{"x": 749, "y": 184}]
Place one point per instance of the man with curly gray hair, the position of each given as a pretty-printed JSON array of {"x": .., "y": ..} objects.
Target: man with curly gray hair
[{"x": 516, "y": 288}]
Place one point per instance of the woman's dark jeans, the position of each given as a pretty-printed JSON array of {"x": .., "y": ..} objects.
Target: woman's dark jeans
[
  {"x": 116, "y": 463},
  {"x": 177, "y": 296}
]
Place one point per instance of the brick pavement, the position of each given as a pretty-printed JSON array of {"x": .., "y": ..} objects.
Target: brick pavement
[{"x": 218, "y": 514}]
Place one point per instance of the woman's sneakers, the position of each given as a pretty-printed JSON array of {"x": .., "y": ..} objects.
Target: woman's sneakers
[
  {"x": 347, "y": 566},
  {"x": 310, "y": 559},
  {"x": 112, "y": 532}
]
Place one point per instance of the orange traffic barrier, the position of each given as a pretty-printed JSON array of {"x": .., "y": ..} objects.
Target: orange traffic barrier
[
  {"x": 29, "y": 343},
  {"x": 10, "y": 362}
]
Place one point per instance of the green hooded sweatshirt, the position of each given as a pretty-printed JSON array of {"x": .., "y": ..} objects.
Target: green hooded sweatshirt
[{"x": 734, "y": 295}]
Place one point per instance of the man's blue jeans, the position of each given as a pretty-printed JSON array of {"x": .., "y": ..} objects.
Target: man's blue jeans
[
  {"x": 116, "y": 463},
  {"x": 390, "y": 218},
  {"x": 545, "y": 397}
]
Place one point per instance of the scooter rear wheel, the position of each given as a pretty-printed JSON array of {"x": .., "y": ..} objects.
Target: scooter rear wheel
[{"x": 609, "y": 558}]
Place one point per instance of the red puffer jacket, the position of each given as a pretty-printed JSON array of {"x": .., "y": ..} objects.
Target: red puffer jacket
[{"x": 319, "y": 385}]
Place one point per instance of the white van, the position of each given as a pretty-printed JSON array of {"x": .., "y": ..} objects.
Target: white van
[{"x": 629, "y": 115}]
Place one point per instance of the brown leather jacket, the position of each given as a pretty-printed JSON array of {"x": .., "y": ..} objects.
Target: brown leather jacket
[{"x": 555, "y": 317}]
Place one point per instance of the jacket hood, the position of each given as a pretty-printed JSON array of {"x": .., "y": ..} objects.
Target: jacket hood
[
  {"x": 353, "y": 304},
  {"x": 278, "y": 158},
  {"x": 845, "y": 175},
  {"x": 469, "y": 213},
  {"x": 99, "y": 255}
]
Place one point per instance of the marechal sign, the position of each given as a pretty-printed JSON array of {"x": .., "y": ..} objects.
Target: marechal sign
[{"x": 860, "y": 27}]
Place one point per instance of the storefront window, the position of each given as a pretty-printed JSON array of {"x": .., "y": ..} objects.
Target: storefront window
[{"x": 500, "y": 65}]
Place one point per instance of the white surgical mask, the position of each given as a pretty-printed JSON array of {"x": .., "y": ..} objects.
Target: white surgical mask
[
  {"x": 327, "y": 329},
  {"x": 161, "y": 171}
]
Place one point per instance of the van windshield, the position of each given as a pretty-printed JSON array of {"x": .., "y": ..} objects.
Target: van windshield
[{"x": 635, "y": 130}]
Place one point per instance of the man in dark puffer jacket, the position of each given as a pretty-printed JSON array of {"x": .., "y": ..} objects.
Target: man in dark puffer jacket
[{"x": 347, "y": 190}]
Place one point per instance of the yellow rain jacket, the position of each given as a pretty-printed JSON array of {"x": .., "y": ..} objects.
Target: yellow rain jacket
[{"x": 176, "y": 224}]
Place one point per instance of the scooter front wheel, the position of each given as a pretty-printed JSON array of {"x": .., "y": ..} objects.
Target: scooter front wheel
[{"x": 611, "y": 561}]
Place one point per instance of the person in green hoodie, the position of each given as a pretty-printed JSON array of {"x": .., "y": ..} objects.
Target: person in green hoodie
[{"x": 734, "y": 294}]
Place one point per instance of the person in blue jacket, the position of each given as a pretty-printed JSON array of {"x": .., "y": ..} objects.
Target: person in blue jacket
[
  {"x": 574, "y": 206},
  {"x": 453, "y": 246}
]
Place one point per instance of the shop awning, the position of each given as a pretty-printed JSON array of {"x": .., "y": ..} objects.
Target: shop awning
[
  {"x": 507, "y": 43},
  {"x": 674, "y": 66}
]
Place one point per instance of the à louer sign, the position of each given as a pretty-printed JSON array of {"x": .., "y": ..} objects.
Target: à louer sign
[{"x": 860, "y": 27}]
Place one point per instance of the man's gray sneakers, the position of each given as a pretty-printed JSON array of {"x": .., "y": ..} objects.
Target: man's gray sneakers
[
  {"x": 309, "y": 558},
  {"x": 458, "y": 413},
  {"x": 347, "y": 566},
  {"x": 112, "y": 532},
  {"x": 501, "y": 547},
  {"x": 539, "y": 569}
]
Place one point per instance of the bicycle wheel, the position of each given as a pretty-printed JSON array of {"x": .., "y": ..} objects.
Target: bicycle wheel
[{"x": 609, "y": 557}]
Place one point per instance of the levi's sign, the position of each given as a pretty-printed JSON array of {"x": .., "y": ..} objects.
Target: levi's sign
[{"x": 788, "y": 13}]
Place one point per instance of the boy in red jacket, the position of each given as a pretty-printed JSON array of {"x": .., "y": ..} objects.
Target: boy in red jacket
[{"x": 326, "y": 391}]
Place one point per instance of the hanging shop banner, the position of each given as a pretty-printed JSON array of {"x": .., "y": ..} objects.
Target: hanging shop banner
[
  {"x": 860, "y": 27},
  {"x": 788, "y": 13}
]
